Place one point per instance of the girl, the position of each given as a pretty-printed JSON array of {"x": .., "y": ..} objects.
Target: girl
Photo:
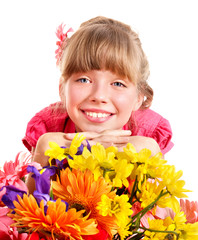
[{"x": 104, "y": 94}]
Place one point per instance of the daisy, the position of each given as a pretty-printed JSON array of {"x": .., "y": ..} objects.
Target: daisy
[
  {"x": 55, "y": 223},
  {"x": 81, "y": 191}
]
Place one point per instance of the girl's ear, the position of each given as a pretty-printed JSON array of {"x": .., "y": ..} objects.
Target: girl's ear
[{"x": 139, "y": 102}]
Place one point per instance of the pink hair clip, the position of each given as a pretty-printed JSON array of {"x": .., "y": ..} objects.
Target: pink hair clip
[{"x": 62, "y": 41}]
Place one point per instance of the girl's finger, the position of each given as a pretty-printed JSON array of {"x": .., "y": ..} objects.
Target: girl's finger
[
  {"x": 88, "y": 135},
  {"x": 105, "y": 144},
  {"x": 92, "y": 135},
  {"x": 112, "y": 139},
  {"x": 116, "y": 132}
]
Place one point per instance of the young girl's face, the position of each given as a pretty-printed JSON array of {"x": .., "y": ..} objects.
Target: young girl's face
[{"x": 100, "y": 100}]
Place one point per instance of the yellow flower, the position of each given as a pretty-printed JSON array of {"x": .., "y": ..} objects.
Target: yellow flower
[
  {"x": 141, "y": 165},
  {"x": 123, "y": 232},
  {"x": 171, "y": 180},
  {"x": 99, "y": 161},
  {"x": 104, "y": 157},
  {"x": 60, "y": 153},
  {"x": 123, "y": 170},
  {"x": 83, "y": 161},
  {"x": 179, "y": 219},
  {"x": 161, "y": 229},
  {"x": 75, "y": 144},
  {"x": 105, "y": 161},
  {"x": 141, "y": 172},
  {"x": 150, "y": 166},
  {"x": 155, "y": 166},
  {"x": 144, "y": 155},
  {"x": 55, "y": 152},
  {"x": 149, "y": 192},
  {"x": 102, "y": 162},
  {"x": 117, "y": 206},
  {"x": 156, "y": 224},
  {"x": 178, "y": 225},
  {"x": 189, "y": 231},
  {"x": 144, "y": 164},
  {"x": 128, "y": 153},
  {"x": 169, "y": 223}
]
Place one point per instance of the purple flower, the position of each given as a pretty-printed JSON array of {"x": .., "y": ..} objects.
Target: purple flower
[
  {"x": 62, "y": 164},
  {"x": 11, "y": 195},
  {"x": 42, "y": 181},
  {"x": 41, "y": 196},
  {"x": 80, "y": 149}
]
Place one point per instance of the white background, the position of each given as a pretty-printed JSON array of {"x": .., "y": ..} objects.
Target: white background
[{"x": 29, "y": 77}]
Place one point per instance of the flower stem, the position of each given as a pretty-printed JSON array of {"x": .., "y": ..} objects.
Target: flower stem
[
  {"x": 133, "y": 191},
  {"x": 140, "y": 214},
  {"x": 158, "y": 231}
]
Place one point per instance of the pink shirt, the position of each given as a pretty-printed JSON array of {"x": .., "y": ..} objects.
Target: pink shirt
[{"x": 145, "y": 123}]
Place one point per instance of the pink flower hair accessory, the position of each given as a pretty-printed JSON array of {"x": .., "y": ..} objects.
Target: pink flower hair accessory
[{"x": 63, "y": 37}]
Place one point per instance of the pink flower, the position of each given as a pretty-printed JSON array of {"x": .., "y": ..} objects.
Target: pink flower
[
  {"x": 190, "y": 209},
  {"x": 12, "y": 234},
  {"x": 62, "y": 41},
  {"x": 13, "y": 172},
  {"x": 6, "y": 232},
  {"x": 4, "y": 219}
]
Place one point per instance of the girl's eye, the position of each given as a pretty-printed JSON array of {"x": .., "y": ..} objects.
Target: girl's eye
[
  {"x": 83, "y": 80},
  {"x": 119, "y": 84}
]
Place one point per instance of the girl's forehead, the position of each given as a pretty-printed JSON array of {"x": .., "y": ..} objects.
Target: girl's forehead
[
  {"x": 100, "y": 51},
  {"x": 100, "y": 72}
]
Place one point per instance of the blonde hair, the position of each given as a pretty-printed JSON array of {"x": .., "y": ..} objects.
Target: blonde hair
[{"x": 103, "y": 43}]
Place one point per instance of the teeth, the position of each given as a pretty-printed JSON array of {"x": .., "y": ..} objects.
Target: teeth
[{"x": 97, "y": 115}]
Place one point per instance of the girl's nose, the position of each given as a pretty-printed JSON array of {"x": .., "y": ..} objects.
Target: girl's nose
[{"x": 99, "y": 94}]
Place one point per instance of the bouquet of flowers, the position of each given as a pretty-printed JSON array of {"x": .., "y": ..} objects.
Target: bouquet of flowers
[{"x": 91, "y": 193}]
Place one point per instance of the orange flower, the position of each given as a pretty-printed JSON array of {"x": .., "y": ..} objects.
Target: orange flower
[
  {"x": 81, "y": 192},
  {"x": 55, "y": 223}
]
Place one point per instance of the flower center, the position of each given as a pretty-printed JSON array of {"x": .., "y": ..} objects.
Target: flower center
[
  {"x": 79, "y": 207},
  {"x": 115, "y": 207}
]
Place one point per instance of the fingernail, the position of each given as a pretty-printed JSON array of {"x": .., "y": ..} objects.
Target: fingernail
[{"x": 68, "y": 135}]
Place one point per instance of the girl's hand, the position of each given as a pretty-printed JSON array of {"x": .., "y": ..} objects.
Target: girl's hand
[
  {"x": 43, "y": 145},
  {"x": 107, "y": 138},
  {"x": 119, "y": 139},
  {"x": 39, "y": 152}
]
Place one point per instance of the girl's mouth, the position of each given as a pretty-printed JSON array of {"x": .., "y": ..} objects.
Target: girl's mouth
[{"x": 96, "y": 116}]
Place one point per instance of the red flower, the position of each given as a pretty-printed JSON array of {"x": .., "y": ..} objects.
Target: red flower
[
  {"x": 102, "y": 235},
  {"x": 35, "y": 236}
]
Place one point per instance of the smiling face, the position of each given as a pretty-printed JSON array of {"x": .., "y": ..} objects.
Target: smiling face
[{"x": 100, "y": 100}]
